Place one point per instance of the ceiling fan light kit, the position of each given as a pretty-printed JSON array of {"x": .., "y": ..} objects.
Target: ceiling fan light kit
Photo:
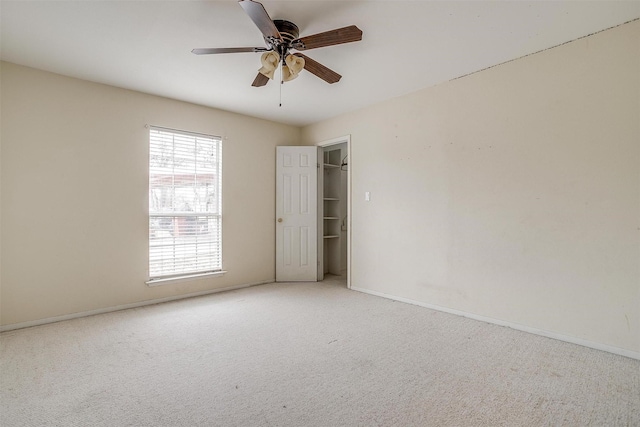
[
  {"x": 281, "y": 37},
  {"x": 294, "y": 64},
  {"x": 270, "y": 61}
]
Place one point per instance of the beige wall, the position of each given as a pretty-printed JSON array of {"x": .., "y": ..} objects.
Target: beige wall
[
  {"x": 512, "y": 193},
  {"x": 74, "y": 194}
]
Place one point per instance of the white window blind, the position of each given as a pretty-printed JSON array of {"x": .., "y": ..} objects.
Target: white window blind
[{"x": 185, "y": 201}]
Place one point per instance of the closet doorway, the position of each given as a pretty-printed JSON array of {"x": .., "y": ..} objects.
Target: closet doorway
[{"x": 334, "y": 210}]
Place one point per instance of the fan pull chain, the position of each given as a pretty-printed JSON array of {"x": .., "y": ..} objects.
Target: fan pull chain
[{"x": 281, "y": 83}]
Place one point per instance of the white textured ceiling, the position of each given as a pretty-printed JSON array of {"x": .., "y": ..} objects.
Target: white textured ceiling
[{"x": 406, "y": 46}]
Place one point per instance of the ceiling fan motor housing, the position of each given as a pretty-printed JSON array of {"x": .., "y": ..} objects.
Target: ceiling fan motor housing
[{"x": 288, "y": 30}]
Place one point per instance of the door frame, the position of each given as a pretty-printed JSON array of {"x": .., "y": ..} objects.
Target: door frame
[{"x": 335, "y": 141}]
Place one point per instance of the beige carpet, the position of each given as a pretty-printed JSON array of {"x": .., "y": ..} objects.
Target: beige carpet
[{"x": 310, "y": 354}]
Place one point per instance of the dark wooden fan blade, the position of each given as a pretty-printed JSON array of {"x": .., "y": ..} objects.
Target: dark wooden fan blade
[
  {"x": 212, "y": 50},
  {"x": 260, "y": 80},
  {"x": 329, "y": 38},
  {"x": 260, "y": 17},
  {"x": 316, "y": 68}
]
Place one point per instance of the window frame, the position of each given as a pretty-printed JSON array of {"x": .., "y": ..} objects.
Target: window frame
[{"x": 213, "y": 219}]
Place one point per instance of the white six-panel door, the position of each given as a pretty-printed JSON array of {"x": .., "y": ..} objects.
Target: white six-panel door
[{"x": 296, "y": 214}]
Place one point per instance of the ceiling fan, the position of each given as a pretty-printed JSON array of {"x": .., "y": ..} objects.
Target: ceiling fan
[{"x": 281, "y": 37}]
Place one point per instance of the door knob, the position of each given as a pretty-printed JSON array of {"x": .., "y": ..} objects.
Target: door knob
[{"x": 279, "y": 219}]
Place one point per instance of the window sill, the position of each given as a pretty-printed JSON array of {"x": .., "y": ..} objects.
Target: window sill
[{"x": 169, "y": 280}]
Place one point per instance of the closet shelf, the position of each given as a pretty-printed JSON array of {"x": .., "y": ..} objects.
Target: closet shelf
[{"x": 332, "y": 208}]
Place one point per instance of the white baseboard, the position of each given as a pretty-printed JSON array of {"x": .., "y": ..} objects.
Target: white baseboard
[
  {"x": 38, "y": 322},
  {"x": 604, "y": 347}
]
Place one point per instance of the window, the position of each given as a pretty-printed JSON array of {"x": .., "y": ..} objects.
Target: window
[{"x": 185, "y": 221}]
